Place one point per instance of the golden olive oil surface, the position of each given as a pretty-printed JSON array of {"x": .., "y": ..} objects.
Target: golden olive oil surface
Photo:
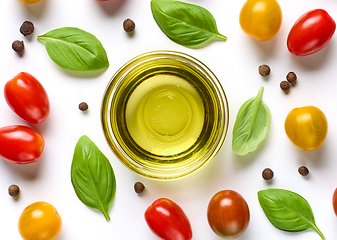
[{"x": 165, "y": 115}]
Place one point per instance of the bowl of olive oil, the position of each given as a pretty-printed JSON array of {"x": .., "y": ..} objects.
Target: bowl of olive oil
[{"x": 164, "y": 115}]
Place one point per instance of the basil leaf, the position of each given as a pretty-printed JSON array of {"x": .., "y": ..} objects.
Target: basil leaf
[
  {"x": 251, "y": 126},
  {"x": 185, "y": 24},
  {"x": 74, "y": 49},
  {"x": 287, "y": 211},
  {"x": 92, "y": 176}
]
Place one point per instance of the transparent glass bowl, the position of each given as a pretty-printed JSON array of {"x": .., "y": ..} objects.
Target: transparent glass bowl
[{"x": 174, "y": 160}]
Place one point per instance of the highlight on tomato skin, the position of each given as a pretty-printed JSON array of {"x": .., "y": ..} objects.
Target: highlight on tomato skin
[
  {"x": 306, "y": 127},
  {"x": 167, "y": 220},
  {"x": 311, "y": 32},
  {"x": 228, "y": 214}
]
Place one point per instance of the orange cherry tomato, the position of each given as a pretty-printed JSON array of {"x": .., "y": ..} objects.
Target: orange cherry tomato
[
  {"x": 306, "y": 127},
  {"x": 40, "y": 221},
  {"x": 29, "y": 1},
  {"x": 261, "y": 19}
]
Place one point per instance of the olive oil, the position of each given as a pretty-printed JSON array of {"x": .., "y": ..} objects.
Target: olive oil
[{"x": 165, "y": 115}]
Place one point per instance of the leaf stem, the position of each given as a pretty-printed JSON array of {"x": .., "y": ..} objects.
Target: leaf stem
[
  {"x": 319, "y": 232},
  {"x": 259, "y": 94},
  {"x": 220, "y": 36},
  {"x": 106, "y": 215}
]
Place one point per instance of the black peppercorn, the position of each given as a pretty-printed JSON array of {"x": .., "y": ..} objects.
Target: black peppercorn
[
  {"x": 139, "y": 187},
  {"x": 129, "y": 25},
  {"x": 303, "y": 170},
  {"x": 264, "y": 70},
  {"x": 18, "y": 46},
  {"x": 83, "y": 106},
  {"x": 291, "y": 77},
  {"x": 267, "y": 174},
  {"x": 285, "y": 85},
  {"x": 13, "y": 190},
  {"x": 27, "y": 28}
]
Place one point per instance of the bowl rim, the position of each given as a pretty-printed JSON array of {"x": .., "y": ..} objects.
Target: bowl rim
[{"x": 118, "y": 150}]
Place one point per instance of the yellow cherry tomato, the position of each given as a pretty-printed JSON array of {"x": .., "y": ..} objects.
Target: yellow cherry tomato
[
  {"x": 29, "y": 1},
  {"x": 261, "y": 19},
  {"x": 40, "y": 221},
  {"x": 306, "y": 127}
]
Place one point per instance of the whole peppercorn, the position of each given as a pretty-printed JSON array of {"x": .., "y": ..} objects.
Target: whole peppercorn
[
  {"x": 267, "y": 174},
  {"x": 27, "y": 28},
  {"x": 139, "y": 187},
  {"x": 83, "y": 106},
  {"x": 285, "y": 85},
  {"x": 18, "y": 46},
  {"x": 129, "y": 25},
  {"x": 13, "y": 190},
  {"x": 303, "y": 170},
  {"x": 291, "y": 77},
  {"x": 264, "y": 70}
]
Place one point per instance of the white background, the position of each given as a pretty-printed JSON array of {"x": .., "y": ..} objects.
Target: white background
[{"x": 234, "y": 62}]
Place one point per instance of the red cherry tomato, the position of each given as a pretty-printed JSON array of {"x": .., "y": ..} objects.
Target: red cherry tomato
[
  {"x": 20, "y": 144},
  {"x": 311, "y": 32},
  {"x": 334, "y": 201},
  {"x": 228, "y": 214},
  {"x": 27, "y": 98},
  {"x": 167, "y": 220}
]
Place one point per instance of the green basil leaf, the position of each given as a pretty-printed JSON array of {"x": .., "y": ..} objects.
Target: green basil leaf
[
  {"x": 74, "y": 49},
  {"x": 185, "y": 24},
  {"x": 92, "y": 176},
  {"x": 251, "y": 126},
  {"x": 287, "y": 211}
]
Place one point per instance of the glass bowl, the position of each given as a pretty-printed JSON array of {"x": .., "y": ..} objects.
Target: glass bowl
[{"x": 164, "y": 115}]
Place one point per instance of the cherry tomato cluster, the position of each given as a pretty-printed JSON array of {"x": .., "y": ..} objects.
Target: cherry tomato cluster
[
  {"x": 26, "y": 96},
  {"x": 312, "y": 31},
  {"x": 227, "y": 213},
  {"x": 307, "y": 126},
  {"x": 29, "y": 100},
  {"x": 228, "y": 216}
]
